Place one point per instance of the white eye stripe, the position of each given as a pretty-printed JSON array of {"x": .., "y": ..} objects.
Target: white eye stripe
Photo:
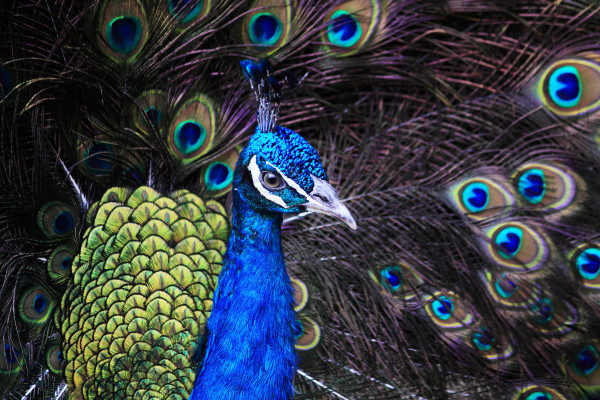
[
  {"x": 255, "y": 173},
  {"x": 291, "y": 183}
]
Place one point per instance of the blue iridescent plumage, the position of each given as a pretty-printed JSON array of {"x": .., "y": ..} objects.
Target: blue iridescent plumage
[{"x": 251, "y": 331}]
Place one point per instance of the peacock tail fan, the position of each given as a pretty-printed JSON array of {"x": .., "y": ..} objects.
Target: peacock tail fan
[
  {"x": 472, "y": 253},
  {"x": 462, "y": 134}
]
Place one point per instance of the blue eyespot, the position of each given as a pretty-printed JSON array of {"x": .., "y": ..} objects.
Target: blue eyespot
[
  {"x": 10, "y": 354},
  {"x": 56, "y": 219},
  {"x": 6, "y": 84},
  {"x": 585, "y": 361},
  {"x": 60, "y": 356},
  {"x": 483, "y": 340},
  {"x": 99, "y": 158},
  {"x": 476, "y": 196},
  {"x": 564, "y": 86},
  {"x": 39, "y": 303},
  {"x": 66, "y": 263},
  {"x": 298, "y": 329},
  {"x": 391, "y": 278},
  {"x": 539, "y": 396},
  {"x": 63, "y": 223},
  {"x": 509, "y": 241},
  {"x": 505, "y": 286},
  {"x": 154, "y": 116},
  {"x": 185, "y": 9},
  {"x": 218, "y": 176},
  {"x": 443, "y": 307},
  {"x": 124, "y": 34},
  {"x": 545, "y": 310},
  {"x": 344, "y": 30},
  {"x": 588, "y": 263},
  {"x": 189, "y": 136},
  {"x": 532, "y": 185},
  {"x": 265, "y": 29}
]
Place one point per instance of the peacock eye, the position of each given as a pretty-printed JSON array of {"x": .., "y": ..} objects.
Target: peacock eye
[{"x": 271, "y": 180}]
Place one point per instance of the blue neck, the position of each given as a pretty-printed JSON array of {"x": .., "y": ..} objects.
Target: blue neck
[{"x": 250, "y": 346}]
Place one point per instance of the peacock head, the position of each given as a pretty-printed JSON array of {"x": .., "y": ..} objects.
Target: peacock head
[{"x": 279, "y": 172}]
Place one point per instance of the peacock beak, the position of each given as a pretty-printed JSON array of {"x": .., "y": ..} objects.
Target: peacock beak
[{"x": 324, "y": 200}]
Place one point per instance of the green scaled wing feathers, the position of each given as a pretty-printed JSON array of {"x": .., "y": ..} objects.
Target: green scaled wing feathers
[{"x": 142, "y": 291}]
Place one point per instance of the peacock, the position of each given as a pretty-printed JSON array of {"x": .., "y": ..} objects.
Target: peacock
[{"x": 160, "y": 237}]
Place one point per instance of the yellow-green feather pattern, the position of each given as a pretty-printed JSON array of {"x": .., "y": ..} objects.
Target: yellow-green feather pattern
[{"x": 143, "y": 285}]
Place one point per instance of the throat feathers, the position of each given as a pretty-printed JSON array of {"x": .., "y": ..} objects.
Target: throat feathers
[{"x": 249, "y": 340}]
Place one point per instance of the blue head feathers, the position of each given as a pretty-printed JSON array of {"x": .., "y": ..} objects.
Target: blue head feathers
[
  {"x": 279, "y": 171},
  {"x": 287, "y": 150}
]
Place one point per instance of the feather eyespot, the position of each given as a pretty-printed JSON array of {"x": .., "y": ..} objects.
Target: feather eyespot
[
  {"x": 391, "y": 278},
  {"x": 564, "y": 86},
  {"x": 548, "y": 187},
  {"x": 582, "y": 367},
  {"x": 350, "y": 25},
  {"x": 517, "y": 246},
  {"x": 532, "y": 185},
  {"x": 585, "y": 361},
  {"x": 490, "y": 346},
  {"x": 539, "y": 396},
  {"x": 154, "y": 116},
  {"x": 149, "y": 111},
  {"x": 481, "y": 197},
  {"x": 535, "y": 392},
  {"x": 56, "y": 219},
  {"x": 505, "y": 287},
  {"x": 307, "y": 333},
  {"x": 268, "y": 24},
  {"x": 191, "y": 133},
  {"x": 483, "y": 340},
  {"x": 398, "y": 280},
  {"x": 569, "y": 87},
  {"x": 544, "y": 310},
  {"x": 264, "y": 29},
  {"x": 512, "y": 291},
  {"x": 123, "y": 29},
  {"x": 443, "y": 307},
  {"x": 552, "y": 317},
  {"x": 585, "y": 264},
  {"x": 36, "y": 306},
  {"x": 509, "y": 241},
  {"x": 218, "y": 175},
  {"x": 447, "y": 310},
  {"x": 124, "y": 34},
  {"x": 344, "y": 30},
  {"x": 55, "y": 359},
  {"x": 189, "y": 136},
  {"x": 588, "y": 264},
  {"x": 10, "y": 359},
  {"x": 59, "y": 264},
  {"x": 98, "y": 158}
]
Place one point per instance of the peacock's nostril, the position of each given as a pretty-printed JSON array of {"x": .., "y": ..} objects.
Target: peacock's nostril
[{"x": 323, "y": 198}]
